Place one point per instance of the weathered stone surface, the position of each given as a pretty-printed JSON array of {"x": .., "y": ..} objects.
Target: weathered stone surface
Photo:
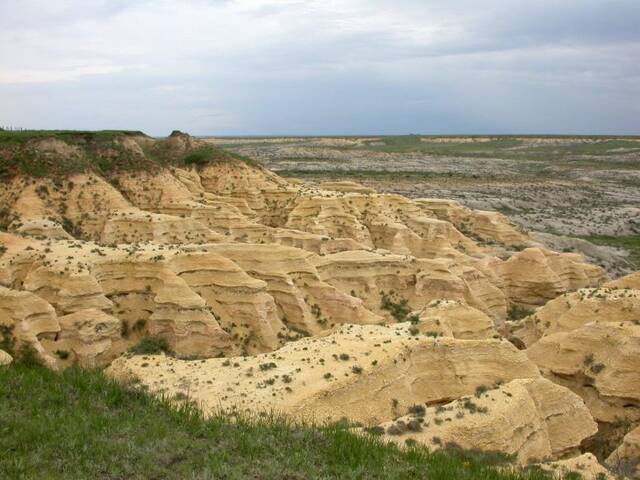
[
  {"x": 599, "y": 361},
  {"x": 451, "y": 318},
  {"x": 531, "y": 418},
  {"x": 366, "y": 373},
  {"x": 625, "y": 459},
  {"x": 585, "y": 465},
  {"x": 5, "y": 358},
  {"x": 571, "y": 311}
]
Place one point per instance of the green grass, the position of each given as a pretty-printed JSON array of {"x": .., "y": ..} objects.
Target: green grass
[
  {"x": 99, "y": 152},
  {"x": 630, "y": 243},
  {"x": 604, "y": 151},
  {"x": 76, "y": 137},
  {"x": 80, "y": 425}
]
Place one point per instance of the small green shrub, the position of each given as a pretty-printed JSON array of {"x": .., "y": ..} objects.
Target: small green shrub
[
  {"x": 518, "y": 313},
  {"x": 62, "y": 354},
  {"x": 150, "y": 346}
]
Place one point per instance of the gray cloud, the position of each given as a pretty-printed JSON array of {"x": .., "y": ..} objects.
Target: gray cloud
[{"x": 322, "y": 66}]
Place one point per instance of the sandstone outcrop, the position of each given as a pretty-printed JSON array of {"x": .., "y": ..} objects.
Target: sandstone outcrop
[
  {"x": 451, "y": 318},
  {"x": 365, "y": 373},
  {"x": 585, "y": 465},
  {"x": 531, "y": 418},
  {"x": 573, "y": 310},
  {"x": 318, "y": 301},
  {"x": 534, "y": 276},
  {"x": 5, "y": 358},
  {"x": 599, "y": 361},
  {"x": 625, "y": 459},
  {"x": 25, "y": 319}
]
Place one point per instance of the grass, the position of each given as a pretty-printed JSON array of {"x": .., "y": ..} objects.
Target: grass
[
  {"x": 602, "y": 153},
  {"x": 78, "y": 424},
  {"x": 72, "y": 137},
  {"x": 630, "y": 243},
  {"x": 99, "y": 152}
]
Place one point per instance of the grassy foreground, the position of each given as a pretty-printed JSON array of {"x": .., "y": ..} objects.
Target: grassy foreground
[{"x": 81, "y": 425}]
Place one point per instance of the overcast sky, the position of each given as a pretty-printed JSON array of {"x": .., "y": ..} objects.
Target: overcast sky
[{"x": 278, "y": 67}]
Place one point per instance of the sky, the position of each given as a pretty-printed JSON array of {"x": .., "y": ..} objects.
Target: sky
[{"x": 325, "y": 67}]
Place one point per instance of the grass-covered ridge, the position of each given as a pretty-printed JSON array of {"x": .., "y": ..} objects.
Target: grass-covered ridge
[
  {"x": 59, "y": 153},
  {"x": 81, "y": 425}
]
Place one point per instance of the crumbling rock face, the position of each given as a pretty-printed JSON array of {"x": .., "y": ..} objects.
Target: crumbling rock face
[
  {"x": 90, "y": 338},
  {"x": 365, "y": 373},
  {"x": 25, "y": 319},
  {"x": 601, "y": 362},
  {"x": 450, "y": 318},
  {"x": 573, "y": 310},
  {"x": 585, "y": 465},
  {"x": 5, "y": 358},
  {"x": 487, "y": 225},
  {"x": 534, "y": 276},
  {"x": 625, "y": 460},
  {"x": 532, "y": 418}
]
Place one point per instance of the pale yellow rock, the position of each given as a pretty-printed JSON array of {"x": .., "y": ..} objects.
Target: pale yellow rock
[
  {"x": 534, "y": 276},
  {"x": 585, "y": 465},
  {"x": 28, "y": 319},
  {"x": 573, "y": 310},
  {"x": 5, "y": 358},
  {"x": 451, "y": 318},
  {"x": 628, "y": 281},
  {"x": 364, "y": 373},
  {"x": 600, "y": 362},
  {"x": 40, "y": 227},
  {"x": 531, "y": 418},
  {"x": 90, "y": 336},
  {"x": 489, "y": 225}
]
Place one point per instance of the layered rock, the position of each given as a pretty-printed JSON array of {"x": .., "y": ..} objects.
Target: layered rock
[
  {"x": 533, "y": 419},
  {"x": 534, "y": 276},
  {"x": 601, "y": 362},
  {"x": 571, "y": 311},
  {"x": 365, "y": 373},
  {"x": 455, "y": 319},
  {"x": 487, "y": 225},
  {"x": 26, "y": 319},
  {"x": 585, "y": 465},
  {"x": 5, "y": 358},
  {"x": 625, "y": 459}
]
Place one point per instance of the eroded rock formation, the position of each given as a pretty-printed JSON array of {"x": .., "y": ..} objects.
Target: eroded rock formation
[{"x": 323, "y": 302}]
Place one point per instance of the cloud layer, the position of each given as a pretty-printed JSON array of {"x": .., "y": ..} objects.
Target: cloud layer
[{"x": 322, "y": 66}]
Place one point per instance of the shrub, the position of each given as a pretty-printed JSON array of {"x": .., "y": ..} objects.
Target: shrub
[
  {"x": 62, "y": 354},
  {"x": 150, "y": 346},
  {"x": 417, "y": 409},
  {"x": 267, "y": 366},
  {"x": 518, "y": 313}
]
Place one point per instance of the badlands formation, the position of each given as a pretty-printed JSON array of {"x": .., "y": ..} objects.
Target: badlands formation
[{"x": 418, "y": 320}]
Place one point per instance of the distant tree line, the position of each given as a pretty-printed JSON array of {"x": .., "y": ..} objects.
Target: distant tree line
[{"x": 11, "y": 129}]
